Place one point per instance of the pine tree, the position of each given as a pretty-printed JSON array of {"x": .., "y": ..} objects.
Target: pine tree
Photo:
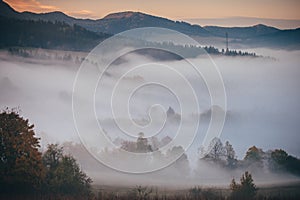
[
  {"x": 245, "y": 190},
  {"x": 230, "y": 155}
]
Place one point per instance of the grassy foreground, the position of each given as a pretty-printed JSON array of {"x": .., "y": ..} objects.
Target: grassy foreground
[{"x": 102, "y": 192}]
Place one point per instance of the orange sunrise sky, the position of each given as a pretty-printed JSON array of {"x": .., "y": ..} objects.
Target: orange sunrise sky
[{"x": 173, "y": 9}]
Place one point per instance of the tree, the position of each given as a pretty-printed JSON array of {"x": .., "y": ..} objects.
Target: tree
[
  {"x": 129, "y": 146},
  {"x": 216, "y": 150},
  {"x": 254, "y": 156},
  {"x": 293, "y": 165},
  {"x": 142, "y": 145},
  {"x": 248, "y": 187},
  {"x": 52, "y": 156},
  {"x": 278, "y": 159},
  {"x": 245, "y": 190},
  {"x": 230, "y": 155},
  {"x": 64, "y": 176},
  {"x": 279, "y": 156},
  {"x": 70, "y": 179},
  {"x": 281, "y": 161},
  {"x": 21, "y": 168}
]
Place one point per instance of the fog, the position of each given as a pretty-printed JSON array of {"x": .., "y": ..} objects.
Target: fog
[{"x": 262, "y": 108}]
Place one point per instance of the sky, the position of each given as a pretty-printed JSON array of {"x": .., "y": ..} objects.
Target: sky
[{"x": 173, "y": 9}]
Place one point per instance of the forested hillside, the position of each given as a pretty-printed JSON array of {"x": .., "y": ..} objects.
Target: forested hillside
[{"x": 48, "y": 35}]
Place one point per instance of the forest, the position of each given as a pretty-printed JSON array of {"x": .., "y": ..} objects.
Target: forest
[{"x": 47, "y": 35}]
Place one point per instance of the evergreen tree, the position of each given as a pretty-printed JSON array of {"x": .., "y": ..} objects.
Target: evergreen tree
[
  {"x": 230, "y": 155},
  {"x": 245, "y": 190}
]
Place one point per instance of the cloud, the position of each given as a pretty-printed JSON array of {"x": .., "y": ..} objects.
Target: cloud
[
  {"x": 82, "y": 14},
  {"x": 30, "y": 5},
  {"x": 38, "y": 7}
]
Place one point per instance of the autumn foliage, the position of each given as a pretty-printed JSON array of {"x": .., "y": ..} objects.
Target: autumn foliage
[
  {"x": 25, "y": 171},
  {"x": 21, "y": 167}
]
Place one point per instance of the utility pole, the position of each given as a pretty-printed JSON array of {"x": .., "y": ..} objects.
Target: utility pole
[{"x": 226, "y": 42}]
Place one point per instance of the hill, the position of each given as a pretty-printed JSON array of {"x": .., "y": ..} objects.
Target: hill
[
  {"x": 286, "y": 39},
  {"x": 111, "y": 24},
  {"x": 259, "y": 36},
  {"x": 118, "y": 22},
  {"x": 48, "y": 35},
  {"x": 241, "y": 32},
  {"x": 254, "y": 36}
]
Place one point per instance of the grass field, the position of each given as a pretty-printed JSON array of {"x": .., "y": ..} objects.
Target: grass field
[{"x": 288, "y": 191}]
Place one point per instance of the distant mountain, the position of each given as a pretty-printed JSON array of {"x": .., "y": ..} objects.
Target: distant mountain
[
  {"x": 241, "y": 32},
  {"x": 246, "y": 21},
  {"x": 259, "y": 36},
  {"x": 285, "y": 39},
  {"x": 254, "y": 36},
  {"x": 118, "y": 22},
  {"x": 111, "y": 24}
]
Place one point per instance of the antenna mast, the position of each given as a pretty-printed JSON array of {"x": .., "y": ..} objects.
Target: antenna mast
[{"x": 226, "y": 42}]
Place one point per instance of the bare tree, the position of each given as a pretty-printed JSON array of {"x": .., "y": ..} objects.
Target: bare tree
[{"x": 216, "y": 150}]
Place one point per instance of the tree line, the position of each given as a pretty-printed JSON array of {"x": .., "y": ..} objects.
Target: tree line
[
  {"x": 276, "y": 161},
  {"x": 217, "y": 154},
  {"x": 47, "y": 35},
  {"x": 53, "y": 174}
]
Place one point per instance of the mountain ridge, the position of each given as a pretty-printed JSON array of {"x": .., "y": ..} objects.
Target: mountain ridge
[
  {"x": 114, "y": 22},
  {"x": 119, "y": 15},
  {"x": 253, "y": 36},
  {"x": 116, "y": 15},
  {"x": 242, "y": 32},
  {"x": 109, "y": 24}
]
